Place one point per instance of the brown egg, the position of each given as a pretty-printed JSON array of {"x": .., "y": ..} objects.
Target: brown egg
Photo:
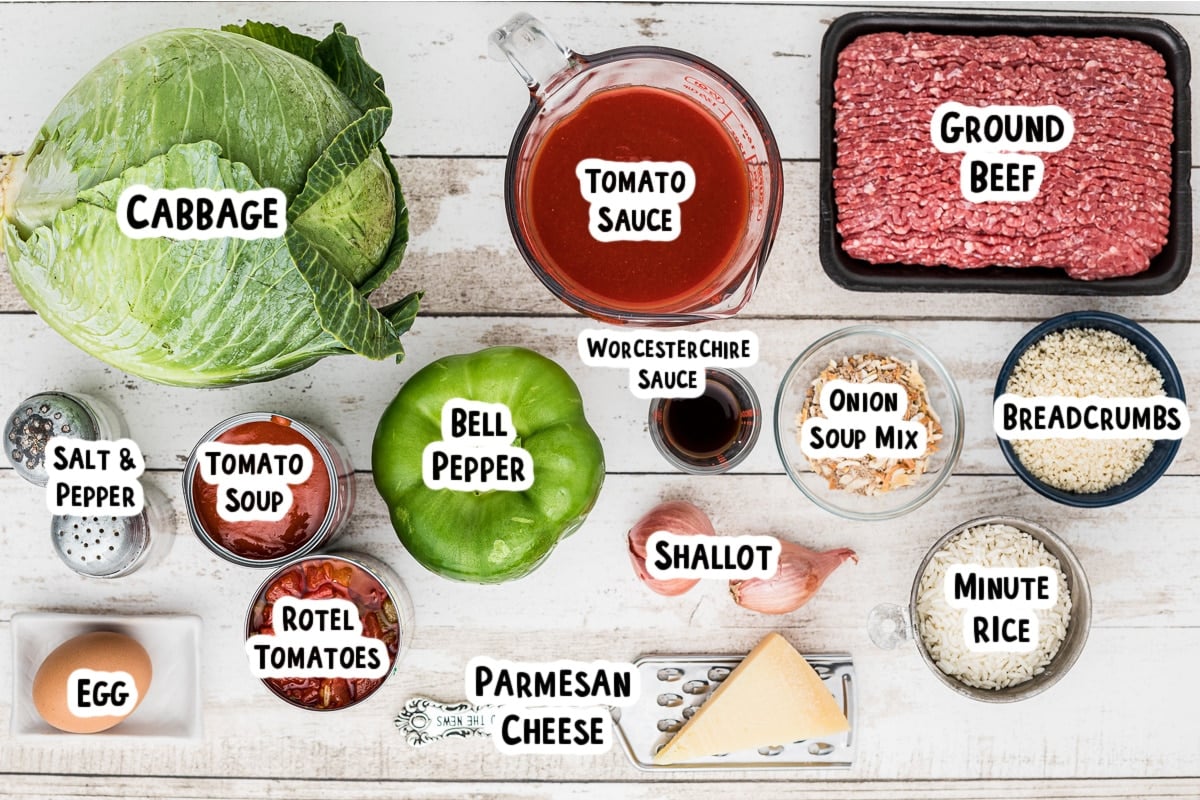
[{"x": 84, "y": 685}]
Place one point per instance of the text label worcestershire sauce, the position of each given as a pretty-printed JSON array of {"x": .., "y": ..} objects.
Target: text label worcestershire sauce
[
  {"x": 637, "y": 124},
  {"x": 302, "y": 521}
]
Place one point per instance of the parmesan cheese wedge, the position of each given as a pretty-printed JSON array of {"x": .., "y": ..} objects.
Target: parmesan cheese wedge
[{"x": 772, "y": 698}]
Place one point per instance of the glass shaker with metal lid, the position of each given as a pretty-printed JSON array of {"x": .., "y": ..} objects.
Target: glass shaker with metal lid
[
  {"x": 97, "y": 545},
  {"x": 42, "y": 417},
  {"x": 107, "y": 546}
]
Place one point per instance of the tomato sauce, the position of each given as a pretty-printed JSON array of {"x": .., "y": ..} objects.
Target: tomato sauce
[
  {"x": 322, "y": 579},
  {"x": 267, "y": 540},
  {"x": 631, "y": 124}
]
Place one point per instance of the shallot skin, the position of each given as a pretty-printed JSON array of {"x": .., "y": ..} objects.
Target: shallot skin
[
  {"x": 676, "y": 516},
  {"x": 801, "y": 573}
]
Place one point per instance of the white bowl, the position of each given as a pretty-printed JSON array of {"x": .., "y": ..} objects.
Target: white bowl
[{"x": 171, "y": 707}]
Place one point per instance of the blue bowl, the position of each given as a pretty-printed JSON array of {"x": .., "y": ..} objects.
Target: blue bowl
[{"x": 1164, "y": 449}]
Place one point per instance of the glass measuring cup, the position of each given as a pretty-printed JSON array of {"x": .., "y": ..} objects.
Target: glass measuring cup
[{"x": 710, "y": 270}]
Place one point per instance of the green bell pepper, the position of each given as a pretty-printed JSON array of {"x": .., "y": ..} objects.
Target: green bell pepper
[{"x": 490, "y": 536}]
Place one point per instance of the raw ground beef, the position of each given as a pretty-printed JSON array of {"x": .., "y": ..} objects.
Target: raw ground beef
[{"x": 1103, "y": 208}]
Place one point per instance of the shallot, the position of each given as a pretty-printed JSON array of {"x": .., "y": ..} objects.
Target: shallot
[
  {"x": 801, "y": 573},
  {"x": 678, "y": 517}
]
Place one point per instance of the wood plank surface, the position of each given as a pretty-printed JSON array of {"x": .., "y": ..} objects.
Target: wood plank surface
[
  {"x": 62, "y": 787},
  {"x": 1134, "y": 680},
  {"x": 451, "y": 99},
  {"x": 450, "y": 153},
  {"x": 347, "y": 394},
  {"x": 476, "y": 269}
]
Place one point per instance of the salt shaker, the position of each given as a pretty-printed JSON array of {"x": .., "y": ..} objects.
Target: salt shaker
[{"x": 46, "y": 415}]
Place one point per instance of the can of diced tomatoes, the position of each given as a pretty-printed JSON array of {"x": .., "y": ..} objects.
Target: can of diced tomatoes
[{"x": 383, "y": 612}]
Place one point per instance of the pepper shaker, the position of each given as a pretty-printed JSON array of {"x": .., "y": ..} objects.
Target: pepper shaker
[{"x": 105, "y": 546}]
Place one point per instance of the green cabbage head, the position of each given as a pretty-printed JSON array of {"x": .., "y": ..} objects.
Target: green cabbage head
[{"x": 247, "y": 107}]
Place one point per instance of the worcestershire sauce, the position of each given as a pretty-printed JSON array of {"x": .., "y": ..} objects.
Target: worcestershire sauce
[
  {"x": 704, "y": 426},
  {"x": 711, "y": 433}
]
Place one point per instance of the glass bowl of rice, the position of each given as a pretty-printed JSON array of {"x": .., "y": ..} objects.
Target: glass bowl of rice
[
  {"x": 1000, "y": 677},
  {"x": 1081, "y": 354},
  {"x": 871, "y": 486}
]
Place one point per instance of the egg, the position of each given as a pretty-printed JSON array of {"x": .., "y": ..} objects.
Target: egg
[{"x": 92, "y": 682}]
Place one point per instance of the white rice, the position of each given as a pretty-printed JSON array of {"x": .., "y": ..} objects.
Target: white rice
[{"x": 940, "y": 625}]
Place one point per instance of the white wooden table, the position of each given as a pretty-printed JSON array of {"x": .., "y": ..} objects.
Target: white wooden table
[{"x": 1124, "y": 723}]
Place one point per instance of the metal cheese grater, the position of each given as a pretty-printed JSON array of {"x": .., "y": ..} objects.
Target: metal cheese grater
[
  {"x": 104, "y": 546},
  {"x": 49, "y": 414},
  {"x": 673, "y": 688}
]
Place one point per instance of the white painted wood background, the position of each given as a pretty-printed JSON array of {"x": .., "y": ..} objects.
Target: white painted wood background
[{"x": 1124, "y": 723}]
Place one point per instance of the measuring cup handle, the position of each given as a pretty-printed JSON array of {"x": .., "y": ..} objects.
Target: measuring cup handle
[{"x": 534, "y": 53}]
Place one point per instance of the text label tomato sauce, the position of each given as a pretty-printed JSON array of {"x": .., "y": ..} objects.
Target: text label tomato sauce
[{"x": 632, "y": 124}]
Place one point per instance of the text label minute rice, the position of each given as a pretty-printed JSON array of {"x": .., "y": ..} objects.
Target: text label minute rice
[{"x": 941, "y": 626}]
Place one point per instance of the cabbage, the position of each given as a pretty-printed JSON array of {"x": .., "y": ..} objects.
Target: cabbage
[{"x": 243, "y": 108}]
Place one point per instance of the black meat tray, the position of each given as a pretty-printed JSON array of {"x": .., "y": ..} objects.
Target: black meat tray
[{"x": 1167, "y": 269}]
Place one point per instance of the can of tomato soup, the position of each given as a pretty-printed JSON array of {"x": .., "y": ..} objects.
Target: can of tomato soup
[
  {"x": 262, "y": 489},
  {"x": 383, "y": 612}
]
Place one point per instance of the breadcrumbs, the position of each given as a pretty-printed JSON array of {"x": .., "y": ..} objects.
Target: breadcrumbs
[{"x": 1078, "y": 362}]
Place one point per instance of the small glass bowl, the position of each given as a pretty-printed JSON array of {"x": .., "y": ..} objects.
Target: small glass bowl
[
  {"x": 943, "y": 398},
  {"x": 1164, "y": 450},
  {"x": 750, "y": 423}
]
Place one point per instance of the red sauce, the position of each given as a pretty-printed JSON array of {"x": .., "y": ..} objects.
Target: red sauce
[
  {"x": 268, "y": 540},
  {"x": 637, "y": 123},
  {"x": 321, "y": 579}
]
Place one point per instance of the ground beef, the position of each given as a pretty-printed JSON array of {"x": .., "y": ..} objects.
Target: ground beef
[{"x": 1104, "y": 205}]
